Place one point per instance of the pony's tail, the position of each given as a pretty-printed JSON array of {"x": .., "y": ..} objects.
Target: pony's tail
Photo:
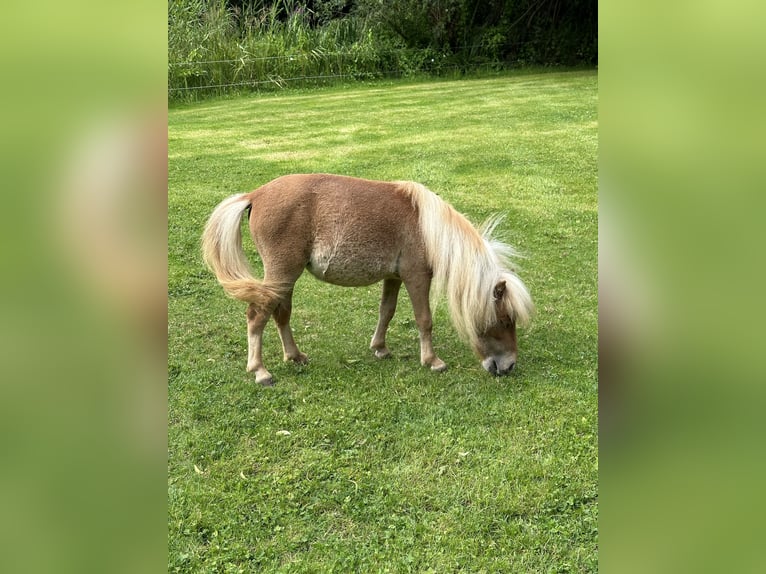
[{"x": 222, "y": 252}]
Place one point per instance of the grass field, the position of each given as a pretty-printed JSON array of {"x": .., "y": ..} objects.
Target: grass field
[{"x": 351, "y": 464}]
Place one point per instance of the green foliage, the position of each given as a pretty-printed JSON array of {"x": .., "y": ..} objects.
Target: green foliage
[
  {"x": 224, "y": 46},
  {"x": 388, "y": 467}
]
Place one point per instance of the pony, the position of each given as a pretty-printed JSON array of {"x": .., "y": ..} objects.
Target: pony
[{"x": 355, "y": 232}]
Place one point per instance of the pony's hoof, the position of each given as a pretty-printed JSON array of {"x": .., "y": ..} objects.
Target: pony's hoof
[
  {"x": 382, "y": 353},
  {"x": 265, "y": 381},
  {"x": 438, "y": 366},
  {"x": 262, "y": 377},
  {"x": 300, "y": 359}
]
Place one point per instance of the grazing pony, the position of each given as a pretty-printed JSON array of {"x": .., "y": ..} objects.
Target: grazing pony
[{"x": 355, "y": 232}]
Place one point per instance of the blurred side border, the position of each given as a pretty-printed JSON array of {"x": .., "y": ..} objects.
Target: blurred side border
[
  {"x": 680, "y": 314},
  {"x": 83, "y": 396}
]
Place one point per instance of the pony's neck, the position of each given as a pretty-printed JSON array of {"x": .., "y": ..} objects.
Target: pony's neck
[{"x": 465, "y": 267}]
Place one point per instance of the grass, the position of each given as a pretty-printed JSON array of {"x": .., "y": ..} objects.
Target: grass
[{"x": 384, "y": 466}]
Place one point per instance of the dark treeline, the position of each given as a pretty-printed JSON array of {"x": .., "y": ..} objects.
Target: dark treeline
[
  {"x": 537, "y": 31},
  {"x": 371, "y": 38}
]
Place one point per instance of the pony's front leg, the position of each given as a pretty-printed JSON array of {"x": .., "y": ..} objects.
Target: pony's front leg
[
  {"x": 387, "y": 310},
  {"x": 418, "y": 291},
  {"x": 256, "y": 322}
]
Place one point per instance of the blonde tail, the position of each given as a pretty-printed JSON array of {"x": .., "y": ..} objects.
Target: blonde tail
[{"x": 223, "y": 254}]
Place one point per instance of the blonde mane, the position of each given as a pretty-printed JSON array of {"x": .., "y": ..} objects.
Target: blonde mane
[{"x": 467, "y": 265}]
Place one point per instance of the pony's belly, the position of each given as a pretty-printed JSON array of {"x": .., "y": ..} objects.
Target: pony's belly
[{"x": 350, "y": 271}]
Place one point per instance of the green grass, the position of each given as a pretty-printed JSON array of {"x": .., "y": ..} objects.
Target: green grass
[{"x": 388, "y": 467}]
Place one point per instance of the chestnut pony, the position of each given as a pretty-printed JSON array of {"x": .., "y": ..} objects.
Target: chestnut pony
[{"x": 355, "y": 232}]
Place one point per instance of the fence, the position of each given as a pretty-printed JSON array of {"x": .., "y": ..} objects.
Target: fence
[{"x": 194, "y": 78}]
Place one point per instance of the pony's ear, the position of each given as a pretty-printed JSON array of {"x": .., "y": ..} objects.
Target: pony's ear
[{"x": 499, "y": 290}]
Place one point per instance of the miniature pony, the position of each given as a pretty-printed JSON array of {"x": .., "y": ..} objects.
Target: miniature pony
[{"x": 355, "y": 232}]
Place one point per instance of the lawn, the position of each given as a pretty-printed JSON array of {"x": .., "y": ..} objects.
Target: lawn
[{"x": 352, "y": 464}]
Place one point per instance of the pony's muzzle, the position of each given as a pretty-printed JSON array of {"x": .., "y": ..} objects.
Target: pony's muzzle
[{"x": 496, "y": 367}]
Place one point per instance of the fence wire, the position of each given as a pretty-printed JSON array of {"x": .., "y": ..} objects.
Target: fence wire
[
  {"x": 248, "y": 58},
  {"x": 261, "y": 71}
]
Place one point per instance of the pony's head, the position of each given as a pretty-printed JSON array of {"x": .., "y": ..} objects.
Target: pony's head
[
  {"x": 496, "y": 345},
  {"x": 473, "y": 268}
]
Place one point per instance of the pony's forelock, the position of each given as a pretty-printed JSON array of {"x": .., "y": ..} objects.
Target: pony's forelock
[{"x": 517, "y": 299}]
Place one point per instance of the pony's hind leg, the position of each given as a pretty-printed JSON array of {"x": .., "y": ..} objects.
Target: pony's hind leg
[
  {"x": 257, "y": 318},
  {"x": 387, "y": 310},
  {"x": 418, "y": 289},
  {"x": 282, "y": 318}
]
